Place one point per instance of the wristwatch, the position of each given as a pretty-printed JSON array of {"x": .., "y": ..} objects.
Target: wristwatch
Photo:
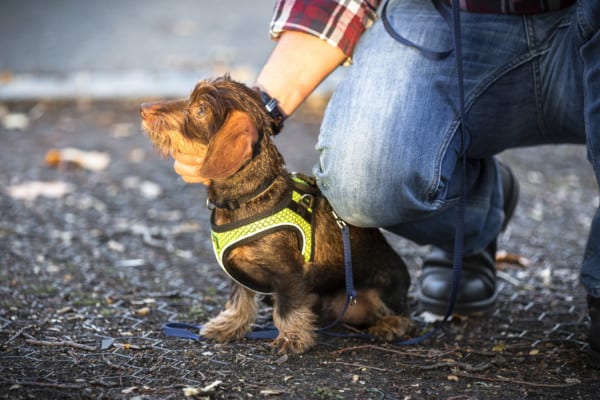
[{"x": 272, "y": 106}]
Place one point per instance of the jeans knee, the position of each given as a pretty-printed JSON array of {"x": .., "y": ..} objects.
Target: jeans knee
[{"x": 374, "y": 199}]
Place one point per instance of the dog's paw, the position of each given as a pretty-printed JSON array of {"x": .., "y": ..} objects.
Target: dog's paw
[
  {"x": 390, "y": 327},
  {"x": 224, "y": 329},
  {"x": 296, "y": 342}
]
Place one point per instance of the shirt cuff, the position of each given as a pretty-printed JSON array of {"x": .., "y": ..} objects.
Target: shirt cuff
[{"x": 340, "y": 23}]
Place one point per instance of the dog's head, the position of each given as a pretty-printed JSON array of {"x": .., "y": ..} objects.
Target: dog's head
[{"x": 221, "y": 122}]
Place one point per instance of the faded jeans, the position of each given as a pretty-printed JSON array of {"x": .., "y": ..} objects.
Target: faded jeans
[{"x": 389, "y": 142}]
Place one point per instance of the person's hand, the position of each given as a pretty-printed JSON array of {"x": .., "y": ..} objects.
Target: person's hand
[{"x": 188, "y": 167}]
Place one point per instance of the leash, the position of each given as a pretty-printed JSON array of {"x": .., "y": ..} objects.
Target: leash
[
  {"x": 187, "y": 331},
  {"x": 453, "y": 20}
]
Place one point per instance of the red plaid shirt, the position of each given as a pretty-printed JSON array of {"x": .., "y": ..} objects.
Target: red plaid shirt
[{"x": 342, "y": 22}]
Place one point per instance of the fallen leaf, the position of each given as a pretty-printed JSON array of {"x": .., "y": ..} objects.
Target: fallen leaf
[
  {"x": 32, "y": 189},
  {"x": 194, "y": 391},
  {"x": 15, "y": 121},
  {"x": 211, "y": 387},
  {"x": 6, "y": 76},
  {"x": 271, "y": 392},
  {"x": 106, "y": 343},
  {"x": 129, "y": 390},
  {"x": 190, "y": 391},
  {"x": 91, "y": 160},
  {"x": 502, "y": 256},
  {"x": 142, "y": 312},
  {"x": 150, "y": 190},
  {"x": 499, "y": 348}
]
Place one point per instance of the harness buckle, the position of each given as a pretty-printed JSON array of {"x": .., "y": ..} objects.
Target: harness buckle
[
  {"x": 307, "y": 200},
  {"x": 209, "y": 204},
  {"x": 340, "y": 222}
]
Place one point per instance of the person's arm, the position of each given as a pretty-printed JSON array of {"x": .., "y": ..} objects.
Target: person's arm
[
  {"x": 314, "y": 38},
  {"x": 307, "y": 51},
  {"x": 298, "y": 64}
]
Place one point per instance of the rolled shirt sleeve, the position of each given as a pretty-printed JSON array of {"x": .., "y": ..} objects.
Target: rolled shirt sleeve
[{"x": 339, "y": 22}]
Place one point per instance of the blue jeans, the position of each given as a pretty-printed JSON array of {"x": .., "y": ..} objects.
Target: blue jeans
[{"x": 389, "y": 143}]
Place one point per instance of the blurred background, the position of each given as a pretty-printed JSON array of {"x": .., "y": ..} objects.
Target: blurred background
[{"x": 127, "y": 48}]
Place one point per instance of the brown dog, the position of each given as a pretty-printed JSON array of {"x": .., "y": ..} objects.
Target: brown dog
[{"x": 226, "y": 124}]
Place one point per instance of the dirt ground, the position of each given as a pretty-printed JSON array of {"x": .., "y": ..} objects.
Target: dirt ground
[{"x": 94, "y": 261}]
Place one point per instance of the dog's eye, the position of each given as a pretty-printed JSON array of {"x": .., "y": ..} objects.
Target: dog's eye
[{"x": 201, "y": 111}]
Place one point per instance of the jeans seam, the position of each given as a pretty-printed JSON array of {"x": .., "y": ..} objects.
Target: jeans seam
[
  {"x": 472, "y": 97},
  {"x": 585, "y": 30}
]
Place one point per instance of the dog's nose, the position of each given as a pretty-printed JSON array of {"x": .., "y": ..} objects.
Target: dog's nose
[{"x": 144, "y": 109}]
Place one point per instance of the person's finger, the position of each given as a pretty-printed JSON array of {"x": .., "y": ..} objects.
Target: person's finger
[
  {"x": 195, "y": 179},
  {"x": 185, "y": 169},
  {"x": 189, "y": 159}
]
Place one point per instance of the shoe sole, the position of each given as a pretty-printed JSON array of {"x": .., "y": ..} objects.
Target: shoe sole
[
  {"x": 440, "y": 307},
  {"x": 510, "y": 190}
]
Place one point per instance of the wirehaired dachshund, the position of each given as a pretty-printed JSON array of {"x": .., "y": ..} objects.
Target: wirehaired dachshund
[{"x": 298, "y": 260}]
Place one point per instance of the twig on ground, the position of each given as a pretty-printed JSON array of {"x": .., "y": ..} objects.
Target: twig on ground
[
  {"x": 62, "y": 343},
  {"x": 512, "y": 380},
  {"x": 355, "y": 365},
  {"x": 46, "y": 384},
  {"x": 19, "y": 333},
  {"x": 425, "y": 353}
]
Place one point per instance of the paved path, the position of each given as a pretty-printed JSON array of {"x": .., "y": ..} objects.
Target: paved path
[{"x": 124, "y": 48}]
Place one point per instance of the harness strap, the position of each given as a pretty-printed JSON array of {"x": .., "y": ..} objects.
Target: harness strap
[{"x": 188, "y": 331}]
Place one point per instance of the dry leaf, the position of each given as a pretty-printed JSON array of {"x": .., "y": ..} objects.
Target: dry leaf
[
  {"x": 192, "y": 391},
  {"x": 503, "y": 256},
  {"x": 92, "y": 160},
  {"x": 499, "y": 348},
  {"x": 142, "y": 312},
  {"x": 32, "y": 189},
  {"x": 6, "y": 76},
  {"x": 271, "y": 392},
  {"x": 15, "y": 121}
]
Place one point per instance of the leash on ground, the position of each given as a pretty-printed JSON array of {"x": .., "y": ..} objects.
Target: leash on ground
[{"x": 189, "y": 331}]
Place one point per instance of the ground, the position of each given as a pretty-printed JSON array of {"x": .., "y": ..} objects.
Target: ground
[{"x": 90, "y": 271}]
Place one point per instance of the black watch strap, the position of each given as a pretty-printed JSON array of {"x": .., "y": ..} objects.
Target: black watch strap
[{"x": 272, "y": 106}]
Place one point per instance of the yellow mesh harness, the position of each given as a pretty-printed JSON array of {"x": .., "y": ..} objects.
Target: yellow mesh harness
[{"x": 295, "y": 212}]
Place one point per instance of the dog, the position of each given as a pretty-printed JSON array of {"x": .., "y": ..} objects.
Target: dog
[{"x": 226, "y": 124}]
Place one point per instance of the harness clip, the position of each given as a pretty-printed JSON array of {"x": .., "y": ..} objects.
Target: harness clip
[
  {"x": 307, "y": 200},
  {"x": 209, "y": 204},
  {"x": 340, "y": 222}
]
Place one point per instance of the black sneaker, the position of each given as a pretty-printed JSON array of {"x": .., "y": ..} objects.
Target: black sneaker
[
  {"x": 594, "y": 332},
  {"x": 477, "y": 291}
]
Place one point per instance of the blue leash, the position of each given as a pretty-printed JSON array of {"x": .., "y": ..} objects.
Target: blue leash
[
  {"x": 453, "y": 20},
  {"x": 187, "y": 331}
]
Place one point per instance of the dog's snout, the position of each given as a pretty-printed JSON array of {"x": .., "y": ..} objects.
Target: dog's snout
[{"x": 144, "y": 109}]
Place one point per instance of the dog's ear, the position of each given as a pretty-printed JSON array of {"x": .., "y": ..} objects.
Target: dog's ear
[{"x": 231, "y": 146}]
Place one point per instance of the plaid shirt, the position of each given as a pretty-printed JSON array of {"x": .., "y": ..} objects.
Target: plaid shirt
[{"x": 342, "y": 22}]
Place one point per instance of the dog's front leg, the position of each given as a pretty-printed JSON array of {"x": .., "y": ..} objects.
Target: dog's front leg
[
  {"x": 294, "y": 317},
  {"x": 236, "y": 319}
]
